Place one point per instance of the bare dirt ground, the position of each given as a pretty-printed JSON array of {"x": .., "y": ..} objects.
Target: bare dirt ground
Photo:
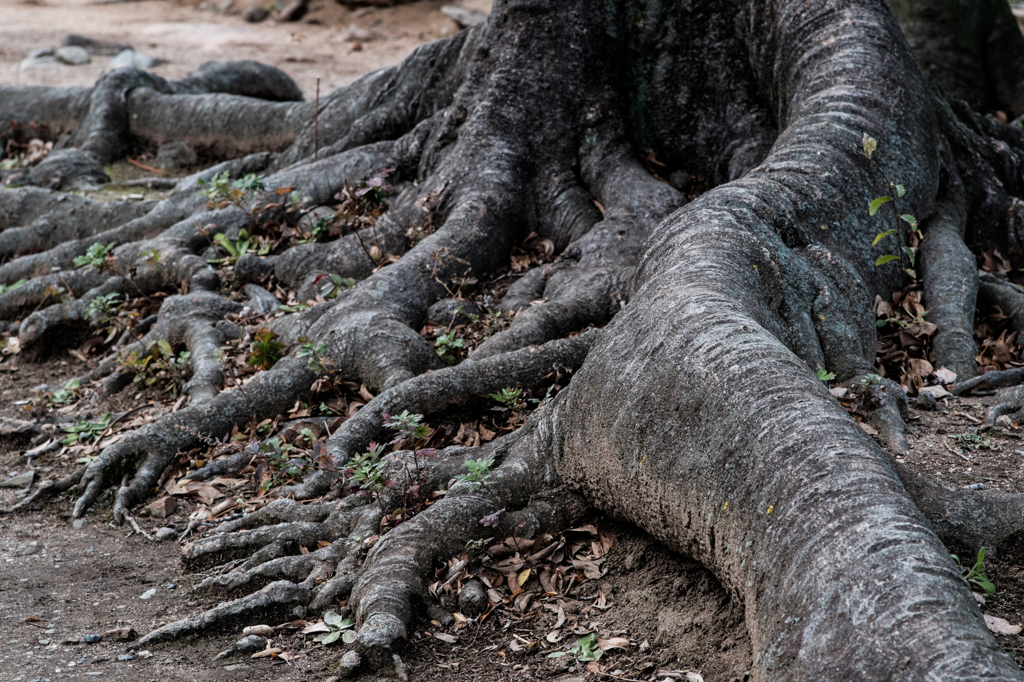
[{"x": 61, "y": 582}]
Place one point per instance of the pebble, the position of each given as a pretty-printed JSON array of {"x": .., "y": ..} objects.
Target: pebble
[
  {"x": 126, "y": 657},
  {"x": 93, "y": 639},
  {"x": 255, "y": 14},
  {"x": 132, "y": 59},
  {"x": 170, "y": 586},
  {"x": 73, "y": 55},
  {"x": 975, "y": 486},
  {"x": 21, "y": 481},
  {"x": 145, "y": 653},
  {"x": 46, "y": 61},
  {"x": 164, "y": 533},
  {"x": 78, "y": 524},
  {"x": 41, "y": 52},
  {"x": 148, "y": 594}
]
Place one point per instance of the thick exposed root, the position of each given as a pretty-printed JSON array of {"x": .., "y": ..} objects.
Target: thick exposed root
[
  {"x": 440, "y": 390},
  {"x": 950, "y": 278}
]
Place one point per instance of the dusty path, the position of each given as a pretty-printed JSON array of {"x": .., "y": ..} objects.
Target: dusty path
[{"x": 185, "y": 37}]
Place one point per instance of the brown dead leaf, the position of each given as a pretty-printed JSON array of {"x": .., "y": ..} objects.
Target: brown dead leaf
[
  {"x": 1001, "y": 626},
  {"x": 267, "y": 652},
  {"x": 868, "y": 429},
  {"x": 613, "y": 643}
]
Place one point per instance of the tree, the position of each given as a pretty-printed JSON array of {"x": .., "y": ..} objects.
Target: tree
[{"x": 695, "y": 413}]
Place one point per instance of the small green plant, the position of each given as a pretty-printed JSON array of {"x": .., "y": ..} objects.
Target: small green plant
[
  {"x": 322, "y": 227},
  {"x": 478, "y": 473},
  {"x": 896, "y": 191},
  {"x": 585, "y": 649},
  {"x": 367, "y": 471},
  {"x": 375, "y": 191},
  {"x": 4, "y": 288},
  {"x": 265, "y": 350},
  {"x": 220, "y": 189},
  {"x": 334, "y": 285},
  {"x": 159, "y": 363},
  {"x": 448, "y": 347},
  {"x": 316, "y": 354},
  {"x": 66, "y": 394},
  {"x": 297, "y": 308},
  {"x": 85, "y": 430},
  {"x": 97, "y": 256},
  {"x": 236, "y": 249},
  {"x": 976, "y": 576},
  {"x": 407, "y": 426},
  {"x": 825, "y": 375},
  {"x": 340, "y": 628},
  {"x": 972, "y": 441},
  {"x": 102, "y": 309}
]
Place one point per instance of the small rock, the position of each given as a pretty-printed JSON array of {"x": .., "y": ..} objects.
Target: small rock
[
  {"x": 164, "y": 533},
  {"x": 148, "y": 594},
  {"x": 350, "y": 663},
  {"x": 449, "y": 310},
  {"x": 28, "y": 549},
  {"x": 41, "y": 63},
  {"x": 463, "y": 16},
  {"x": 170, "y": 586},
  {"x": 473, "y": 599},
  {"x": 238, "y": 667},
  {"x": 145, "y": 653},
  {"x": 19, "y": 427},
  {"x": 254, "y": 14},
  {"x": 93, "y": 639},
  {"x": 926, "y": 401},
  {"x": 161, "y": 508},
  {"x": 975, "y": 486},
  {"x": 358, "y": 33},
  {"x": 41, "y": 52},
  {"x": 120, "y": 634},
  {"x": 131, "y": 58},
  {"x": 21, "y": 481},
  {"x": 70, "y": 640},
  {"x": 260, "y": 300},
  {"x": 78, "y": 524},
  {"x": 175, "y": 156},
  {"x": 681, "y": 180},
  {"x": 73, "y": 55},
  {"x": 126, "y": 657},
  {"x": 246, "y": 645}
]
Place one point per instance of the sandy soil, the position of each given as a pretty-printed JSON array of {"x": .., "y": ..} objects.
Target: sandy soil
[{"x": 185, "y": 37}]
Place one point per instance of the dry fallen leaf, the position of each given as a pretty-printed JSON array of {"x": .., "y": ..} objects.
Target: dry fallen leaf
[
  {"x": 451, "y": 639},
  {"x": 945, "y": 376},
  {"x": 868, "y": 429},
  {"x": 613, "y": 643},
  {"x": 1001, "y": 626}
]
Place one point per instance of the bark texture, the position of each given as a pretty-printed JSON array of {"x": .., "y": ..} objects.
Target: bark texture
[{"x": 696, "y": 412}]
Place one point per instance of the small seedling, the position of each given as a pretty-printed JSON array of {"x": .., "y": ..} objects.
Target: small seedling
[
  {"x": 972, "y": 441},
  {"x": 896, "y": 191},
  {"x": 334, "y": 285},
  {"x": 221, "y": 190},
  {"x": 976, "y": 576},
  {"x": 84, "y": 430},
  {"x": 825, "y": 375},
  {"x": 66, "y": 394},
  {"x": 407, "y": 427},
  {"x": 340, "y": 628},
  {"x": 159, "y": 363},
  {"x": 236, "y": 249},
  {"x": 479, "y": 473},
  {"x": 265, "y": 350},
  {"x": 585, "y": 649},
  {"x": 316, "y": 354},
  {"x": 102, "y": 308},
  {"x": 448, "y": 347},
  {"x": 97, "y": 256},
  {"x": 368, "y": 471}
]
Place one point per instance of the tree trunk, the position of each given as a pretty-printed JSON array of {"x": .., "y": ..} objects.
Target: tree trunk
[{"x": 696, "y": 412}]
